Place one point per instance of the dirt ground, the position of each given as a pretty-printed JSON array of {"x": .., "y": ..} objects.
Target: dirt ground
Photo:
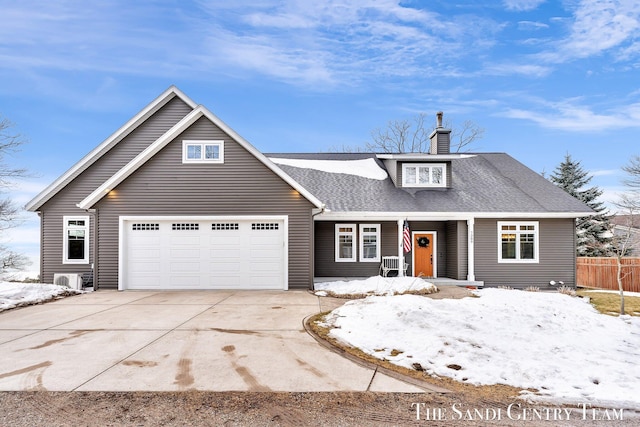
[{"x": 275, "y": 409}]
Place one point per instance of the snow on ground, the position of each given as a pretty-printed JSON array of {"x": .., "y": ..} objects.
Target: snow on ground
[
  {"x": 554, "y": 343},
  {"x": 366, "y": 168},
  {"x": 13, "y": 294},
  {"x": 376, "y": 285}
]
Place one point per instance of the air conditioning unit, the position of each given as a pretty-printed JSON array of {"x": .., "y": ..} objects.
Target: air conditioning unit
[{"x": 71, "y": 280}]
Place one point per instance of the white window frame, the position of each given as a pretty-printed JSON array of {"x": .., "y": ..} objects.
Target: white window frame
[
  {"x": 65, "y": 241},
  {"x": 351, "y": 233},
  {"x": 518, "y": 233},
  {"x": 417, "y": 166},
  {"x": 363, "y": 234},
  {"x": 203, "y": 144}
]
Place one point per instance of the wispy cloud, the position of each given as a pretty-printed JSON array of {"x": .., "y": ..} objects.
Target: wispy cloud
[
  {"x": 522, "y": 5},
  {"x": 604, "y": 172},
  {"x": 532, "y": 25},
  {"x": 332, "y": 42},
  {"x": 509, "y": 69},
  {"x": 598, "y": 26},
  {"x": 571, "y": 115}
]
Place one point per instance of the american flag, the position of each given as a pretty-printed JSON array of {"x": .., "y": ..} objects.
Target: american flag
[{"x": 406, "y": 237}]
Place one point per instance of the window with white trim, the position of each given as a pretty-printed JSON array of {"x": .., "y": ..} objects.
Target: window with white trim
[
  {"x": 369, "y": 242},
  {"x": 345, "y": 242},
  {"x": 75, "y": 244},
  {"x": 518, "y": 241},
  {"x": 202, "y": 151},
  {"x": 424, "y": 175}
]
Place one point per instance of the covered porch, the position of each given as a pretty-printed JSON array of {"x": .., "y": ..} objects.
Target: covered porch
[{"x": 437, "y": 248}]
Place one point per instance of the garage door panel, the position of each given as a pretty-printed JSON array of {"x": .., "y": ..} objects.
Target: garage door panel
[
  {"x": 224, "y": 239},
  {"x": 145, "y": 267},
  {"x": 204, "y": 254},
  {"x": 184, "y": 253},
  {"x": 182, "y": 240},
  {"x": 186, "y": 282},
  {"x": 185, "y": 267}
]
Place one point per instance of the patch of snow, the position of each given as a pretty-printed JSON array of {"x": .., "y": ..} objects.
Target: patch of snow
[
  {"x": 366, "y": 168},
  {"x": 19, "y": 275},
  {"x": 554, "y": 343},
  {"x": 13, "y": 294},
  {"x": 376, "y": 285}
]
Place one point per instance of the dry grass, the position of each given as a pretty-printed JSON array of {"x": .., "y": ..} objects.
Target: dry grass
[
  {"x": 368, "y": 294},
  {"x": 497, "y": 392},
  {"x": 609, "y": 303}
]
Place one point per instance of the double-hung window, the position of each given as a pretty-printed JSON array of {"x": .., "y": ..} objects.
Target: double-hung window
[
  {"x": 367, "y": 237},
  {"x": 202, "y": 151},
  {"x": 518, "y": 241},
  {"x": 369, "y": 243},
  {"x": 345, "y": 242},
  {"x": 75, "y": 240},
  {"x": 424, "y": 175}
]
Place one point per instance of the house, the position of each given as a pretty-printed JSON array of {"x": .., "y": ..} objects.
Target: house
[
  {"x": 626, "y": 231},
  {"x": 176, "y": 199}
]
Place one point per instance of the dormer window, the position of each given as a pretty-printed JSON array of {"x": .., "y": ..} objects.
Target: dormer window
[{"x": 424, "y": 175}]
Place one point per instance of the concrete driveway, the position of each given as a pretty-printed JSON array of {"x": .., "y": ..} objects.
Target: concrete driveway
[{"x": 170, "y": 341}]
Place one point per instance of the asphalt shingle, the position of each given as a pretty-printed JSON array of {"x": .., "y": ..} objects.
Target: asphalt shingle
[{"x": 481, "y": 182}]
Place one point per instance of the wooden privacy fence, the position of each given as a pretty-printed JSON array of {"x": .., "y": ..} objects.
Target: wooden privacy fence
[{"x": 602, "y": 273}]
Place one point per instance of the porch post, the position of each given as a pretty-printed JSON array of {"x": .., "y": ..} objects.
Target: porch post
[
  {"x": 471, "y": 275},
  {"x": 400, "y": 248}
]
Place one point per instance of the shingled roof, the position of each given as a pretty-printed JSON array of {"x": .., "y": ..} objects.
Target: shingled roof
[{"x": 481, "y": 183}]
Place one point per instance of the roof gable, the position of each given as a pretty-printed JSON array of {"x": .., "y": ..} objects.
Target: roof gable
[
  {"x": 107, "y": 145},
  {"x": 170, "y": 135}
]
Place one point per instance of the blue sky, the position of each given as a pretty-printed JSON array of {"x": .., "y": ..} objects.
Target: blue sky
[{"x": 543, "y": 78}]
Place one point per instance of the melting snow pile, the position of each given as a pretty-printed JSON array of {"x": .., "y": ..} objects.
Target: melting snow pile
[
  {"x": 19, "y": 294},
  {"x": 365, "y": 168},
  {"x": 376, "y": 285},
  {"x": 554, "y": 343}
]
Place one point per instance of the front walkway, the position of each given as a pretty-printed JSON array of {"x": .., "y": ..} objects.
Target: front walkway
[{"x": 169, "y": 341}]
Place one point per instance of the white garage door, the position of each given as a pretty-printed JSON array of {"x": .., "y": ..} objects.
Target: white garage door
[{"x": 203, "y": 254}]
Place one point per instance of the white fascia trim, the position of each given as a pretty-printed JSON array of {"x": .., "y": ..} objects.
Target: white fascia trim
[
  {"x": 106, "y": 145},
  {"x": 140, "y": 159},
  {"x": 441, "y": 216},
  {"x": 170, "y": 135},
  {"x": 122, "y": 256}
]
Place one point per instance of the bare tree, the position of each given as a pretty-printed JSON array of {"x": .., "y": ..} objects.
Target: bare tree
[
  {"x": 412, "y": 136},
  {"x": 9, "y": 144},
  {"x": 629, "y": 205},
  {"x": 464, "y": 135}
]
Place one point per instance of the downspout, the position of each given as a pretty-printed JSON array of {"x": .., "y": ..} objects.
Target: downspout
[
  {"x": 94, "y": 245},
  {"x": 321, "y": 210}
]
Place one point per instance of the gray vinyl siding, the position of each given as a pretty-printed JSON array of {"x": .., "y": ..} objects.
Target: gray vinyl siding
[
  {"x": 242, "y": 185},
  {"x": 325, "y": 264},
  {"x": 441, "y": 142},
  {"x": 392, "y": 169},
  {"x": 556, "y": 255},
  {"x": 456, "y": 262},
  {"x": 64, "y": 202}
]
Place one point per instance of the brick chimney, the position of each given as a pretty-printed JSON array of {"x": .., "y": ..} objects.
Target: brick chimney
[{"x": 440, "y": 137}]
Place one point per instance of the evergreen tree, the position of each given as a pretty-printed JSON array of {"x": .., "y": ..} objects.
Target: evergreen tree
[{"x": 593, "y": 233}]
